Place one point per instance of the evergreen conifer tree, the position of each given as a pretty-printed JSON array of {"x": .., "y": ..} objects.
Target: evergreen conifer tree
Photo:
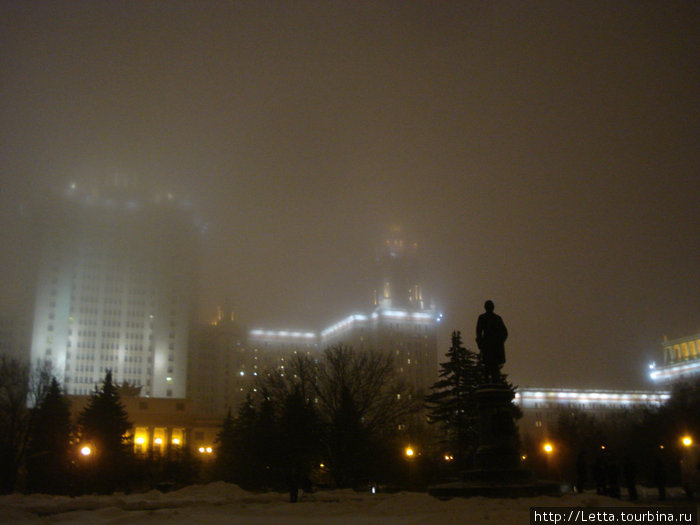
[
  {"x": 226, "y": 449},
  {"x": 299, "y": 434},
  {"x": 104, "y": 424},
  {"x": 451, "y": 404},
  {"x": 48, "y": 451}
]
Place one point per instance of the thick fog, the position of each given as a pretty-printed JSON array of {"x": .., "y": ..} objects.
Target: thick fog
[{"x": 543, "y": 155}]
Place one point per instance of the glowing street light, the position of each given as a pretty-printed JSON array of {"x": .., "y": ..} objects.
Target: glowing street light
[
  {"x": 687, "y": 441},
  {"x": 409, "y": 452},
  {"x": 86, "y": 451},
  {"x": 140, "y": 440},
  {"x": 548, "y": 448}
]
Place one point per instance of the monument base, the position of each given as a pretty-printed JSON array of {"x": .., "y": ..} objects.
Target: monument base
[{"x": 497, "y": 473}]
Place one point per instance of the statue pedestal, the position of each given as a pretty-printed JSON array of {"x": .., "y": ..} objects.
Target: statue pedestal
[
  {"x": 498, "y": 435},
  {"x": 497, "y": 471}
]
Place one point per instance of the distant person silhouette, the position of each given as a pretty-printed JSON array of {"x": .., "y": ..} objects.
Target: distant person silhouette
[{"x": 491, "y": 335}]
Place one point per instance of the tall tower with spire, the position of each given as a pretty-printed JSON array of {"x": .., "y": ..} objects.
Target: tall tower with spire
[
  {"x": 399, "y": 272},
  {"x": 402, "y": 321}
]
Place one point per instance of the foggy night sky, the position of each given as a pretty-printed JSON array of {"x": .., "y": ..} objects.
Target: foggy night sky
[{"x": 543, "y": 154}]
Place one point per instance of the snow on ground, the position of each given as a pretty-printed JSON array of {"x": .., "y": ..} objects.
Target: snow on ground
[{"x": 225, "y": 503}]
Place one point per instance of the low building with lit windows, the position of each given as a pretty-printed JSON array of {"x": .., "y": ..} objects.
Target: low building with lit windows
[
  {"x": 163, "y": 426},
  {"x": 542, "y": 407}
]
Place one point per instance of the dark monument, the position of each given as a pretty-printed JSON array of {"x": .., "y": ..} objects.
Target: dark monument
[
  {"x": 497, "y": 471},
  {"x": 491, "y": 335}
]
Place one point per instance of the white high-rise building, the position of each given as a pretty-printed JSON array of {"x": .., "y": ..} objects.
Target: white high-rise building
[{"x": 115, "y": 290}]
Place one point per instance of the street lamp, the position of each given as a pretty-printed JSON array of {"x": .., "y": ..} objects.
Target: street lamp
[
  {"x": 548, "y": 448},
  {"x": 687, "y": 441},
  {"x": 409, "y": 452},
  {"x": 86, "y": 451}
]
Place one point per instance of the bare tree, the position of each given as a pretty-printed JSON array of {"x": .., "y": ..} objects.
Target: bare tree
[
  {"x": 360, "y": 402},
  {"x": 20, "y": 389},
  {"x": 381, "y": 399}
]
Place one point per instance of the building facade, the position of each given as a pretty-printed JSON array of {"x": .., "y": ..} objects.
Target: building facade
[
  {"x": 681, "y": 360},
  {"x": 541, "y": 407},
  {"x": 226, "y": 361},
  {"x": 115, "y": 290}
]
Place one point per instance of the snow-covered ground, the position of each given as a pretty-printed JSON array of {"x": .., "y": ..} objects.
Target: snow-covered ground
[{"x": 225, "y": 503}]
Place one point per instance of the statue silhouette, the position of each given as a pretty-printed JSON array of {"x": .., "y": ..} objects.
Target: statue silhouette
[{"x": 491, "y": 334}]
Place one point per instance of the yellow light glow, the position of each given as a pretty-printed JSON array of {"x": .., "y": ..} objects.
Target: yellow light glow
[
  {"x": 86, "y": 451},
  {"x": 176, "y": 441},
  {"x": 449, "y": 457},
  {"x": 140, "y": 440},
  {"x": 687, "y": 441},
  {"x": 548, "y": 448},
  {"x": 523, "y": 457},
  {"x": 209, "y": 450},
  {"x": 409, "y": 451},
  {"x": 158, "y": 441},
  {"x": 322, "y": 465},
  {"x": 201, "y": 450}
]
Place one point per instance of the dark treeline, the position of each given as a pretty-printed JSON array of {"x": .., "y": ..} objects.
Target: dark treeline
[
  {"x": 627, "y": 448},
  {"x": 41, "y": 449},
  {"x": 343, "y": 419}
]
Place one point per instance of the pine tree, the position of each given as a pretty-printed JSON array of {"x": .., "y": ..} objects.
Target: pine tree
[
  {"x": 451, "y": 403},
  {"x": 299, "y": 434},
  {"x": 236, "y": 445},
  {"x": 104, "y": 425},
  {"x": 226, "y": 449},
  {"x": 48, "y": 452}
]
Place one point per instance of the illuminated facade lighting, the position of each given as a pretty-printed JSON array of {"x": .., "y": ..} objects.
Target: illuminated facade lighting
[
  {"x": 110, "y": 292},
  {"x": 613, "y": 398},
  {"x": 681, "y": 360}
]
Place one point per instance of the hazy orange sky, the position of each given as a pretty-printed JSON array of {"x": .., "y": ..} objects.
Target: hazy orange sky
[{"x": 543, "y": 154}]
